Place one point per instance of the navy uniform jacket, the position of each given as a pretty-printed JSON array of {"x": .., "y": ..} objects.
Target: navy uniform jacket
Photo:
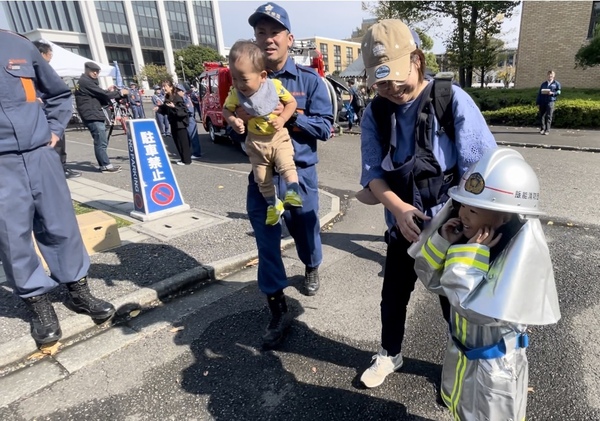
[
  {"x": 315, "y": 112},
  {"x": 554, "y": 87},
  {"x": 24, "y": 125},
  {"x": 134, "y": 97}
]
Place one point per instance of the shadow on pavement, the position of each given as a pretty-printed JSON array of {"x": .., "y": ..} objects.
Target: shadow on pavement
[
  {"x": 305, "y": 379},
  {"x": 350, "y": 243}
]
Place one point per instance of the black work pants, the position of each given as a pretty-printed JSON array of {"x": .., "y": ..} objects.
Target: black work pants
[
  {"x": 545, "y": 114},
  {"x": 398, "y": 283},
  {"x": 182, "y": 143}
]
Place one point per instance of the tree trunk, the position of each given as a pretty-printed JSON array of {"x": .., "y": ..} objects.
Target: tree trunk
[
  {"x": 471, "y": 43},
  {"x": 460, "y": 25}
]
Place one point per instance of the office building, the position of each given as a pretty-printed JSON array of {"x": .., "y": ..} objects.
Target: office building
[
  {"x": 551, "y": 34},
  {"x": 133, "y": 33},
  {"x": 337, "y": 54}
]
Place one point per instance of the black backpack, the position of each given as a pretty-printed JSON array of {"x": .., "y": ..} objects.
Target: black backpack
[{"x": 420, "y": 181}]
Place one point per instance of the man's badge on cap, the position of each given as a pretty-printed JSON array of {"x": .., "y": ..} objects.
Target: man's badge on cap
[
  {"x": 378, "y": 50},
  {"x": 268, "y": 7},
  {"x": 382, "y": 72}
]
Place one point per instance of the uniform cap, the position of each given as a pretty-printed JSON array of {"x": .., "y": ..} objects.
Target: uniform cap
[
  {"x": 386, "y": 49},
  {"x": 92, "y": 66},
  {"x": 272, "y": 11},
  {"x": 179, "y": 87}
]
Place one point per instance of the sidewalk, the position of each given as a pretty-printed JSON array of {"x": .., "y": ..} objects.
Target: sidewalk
[{"x": 152, "y": 262}]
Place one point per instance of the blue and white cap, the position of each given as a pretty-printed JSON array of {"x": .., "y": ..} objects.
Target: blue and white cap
[{"x": 272, "y": 11}]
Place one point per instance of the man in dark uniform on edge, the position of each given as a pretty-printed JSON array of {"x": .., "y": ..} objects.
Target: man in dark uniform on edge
[
  {"x": 312, "y": 121},
  {"x": 34, "y": 195},
  {"x": 45, "y": 50},
  {"x": 90, "y": 98}
]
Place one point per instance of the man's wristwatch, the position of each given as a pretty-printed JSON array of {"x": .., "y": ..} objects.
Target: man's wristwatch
[{"x": 292, "y": 120}]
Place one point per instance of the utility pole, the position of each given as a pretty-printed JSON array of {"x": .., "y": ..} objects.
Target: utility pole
[{"x": 182, "y": 71}]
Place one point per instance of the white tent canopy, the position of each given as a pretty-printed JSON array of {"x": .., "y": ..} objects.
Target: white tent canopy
[{"x": 68, "y": 64}]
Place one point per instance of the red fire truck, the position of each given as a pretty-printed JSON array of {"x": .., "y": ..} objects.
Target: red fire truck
[{"x": 215, "y": 83}]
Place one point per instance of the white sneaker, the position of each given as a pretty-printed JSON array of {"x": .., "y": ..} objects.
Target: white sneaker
[
  {"x": 196, "y": 157},
  {"x": 381, "y": 367},
  {"x": 180, "y": 163},
  {"x": 542, "y": 131}
]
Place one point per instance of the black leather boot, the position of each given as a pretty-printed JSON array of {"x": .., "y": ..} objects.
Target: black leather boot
[
  {"x": 81, "y": 300},
  {"x": 280, "y": 320},
  {"x": 311, "y": 281},
  {"x": 45, "y": 328}
]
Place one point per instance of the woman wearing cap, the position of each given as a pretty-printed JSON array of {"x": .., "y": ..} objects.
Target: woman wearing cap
[
  {"x": 175, "y": 110},
  {"x": 395, "y": 69}
]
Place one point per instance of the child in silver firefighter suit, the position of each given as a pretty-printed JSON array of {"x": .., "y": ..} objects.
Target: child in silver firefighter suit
[
  {"x": 268, "y": 143},
  {"x": 493, "y": 264}
]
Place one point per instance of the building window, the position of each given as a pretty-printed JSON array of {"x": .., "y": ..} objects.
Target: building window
[
  {"x": 594, "y": 20},
  {"x": 349, "y": 56},
  {"x": 337, "y": 58},
  {"x": 148, "y": 25},
  {"x": 124, "y": 59},
  {"x": 178, "y": 24},
  {"x": 113, "y": 24},
  {"x": 79, "y": 49},
  {"x": 154, "y": 57},
  {"x": 25, "y": 16},
  {"x": 205, "y": 24}
]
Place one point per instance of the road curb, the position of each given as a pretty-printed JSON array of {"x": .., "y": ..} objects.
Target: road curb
[
  {"x": 16, "y": 351},
  {"x": 545, "y": 146}
]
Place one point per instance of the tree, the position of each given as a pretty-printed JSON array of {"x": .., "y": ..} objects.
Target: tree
[
  {"x": 154, "y": 74},
  {"x": 589, "y": 55},
  {"x": 472, "y": 21},
  {"x": 486, "y": 56},
  {"x": 193, "y": 58},
  {"x": 507, "y": 76}
]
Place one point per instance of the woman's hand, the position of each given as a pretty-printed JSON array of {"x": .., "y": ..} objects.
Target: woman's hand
[
  {"x": 485, "y": 236},
  {"x": 451, "y": 231},
  {"x": 406, "y": 221}
]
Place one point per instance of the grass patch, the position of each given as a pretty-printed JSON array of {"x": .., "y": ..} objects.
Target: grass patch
[{"x": 80, "y": 208}]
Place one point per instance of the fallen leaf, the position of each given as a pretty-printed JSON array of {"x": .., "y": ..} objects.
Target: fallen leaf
[
  {"x": 570, "y": 224},
  {"x": 530, "y": 389},
  {"x": 220, "y": 187},
  {"x": 550, "y": 223},
  {"x": 46, "y": 349},
  {"x": 134, "y": 313},
  {"x": 251, "y": 263},
  {"x": 176, "y": 329},
  {"x": 205, "y": 373},
  {"x": 314, "y": 369}
]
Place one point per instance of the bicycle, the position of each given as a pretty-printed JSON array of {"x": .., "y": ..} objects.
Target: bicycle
[{"x": 117, "y": 112}]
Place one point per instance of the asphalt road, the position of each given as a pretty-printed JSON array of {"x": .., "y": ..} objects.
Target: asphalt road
[{"x": 199, "y": 356}]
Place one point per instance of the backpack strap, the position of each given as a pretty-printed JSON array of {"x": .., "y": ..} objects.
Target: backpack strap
[
  {"x": 441, "y": 95},
  {"x": 382, "y": 110}
]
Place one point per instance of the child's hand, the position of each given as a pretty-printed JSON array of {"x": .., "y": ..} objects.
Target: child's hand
[
  {"x": 277, "y": 123},
  {"x": 238, "y": 126},
  {"x": 485, "y": 236},
  {"x": 451, "y": 231}
]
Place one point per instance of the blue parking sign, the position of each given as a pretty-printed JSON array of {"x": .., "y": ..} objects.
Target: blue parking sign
[{"x": 155, "y": 188}]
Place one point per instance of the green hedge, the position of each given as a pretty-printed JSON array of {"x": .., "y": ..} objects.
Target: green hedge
[
  {"x": 496, "y": 99},
  {"x": 569, "y": 113}
]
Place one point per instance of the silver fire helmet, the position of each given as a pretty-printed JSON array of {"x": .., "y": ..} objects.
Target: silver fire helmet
[{"x": 500, "y": 181}]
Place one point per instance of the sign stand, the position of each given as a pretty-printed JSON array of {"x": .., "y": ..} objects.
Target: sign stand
[{"x": 155, "y": 189}]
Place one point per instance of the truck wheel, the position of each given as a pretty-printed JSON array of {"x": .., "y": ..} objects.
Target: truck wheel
[{"x": 211, "y": 131}]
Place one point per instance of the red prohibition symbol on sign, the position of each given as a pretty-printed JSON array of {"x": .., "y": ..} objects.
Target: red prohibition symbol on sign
[
  {"x": 162, "y": 194},
  {"x": 139, "y": 202}
]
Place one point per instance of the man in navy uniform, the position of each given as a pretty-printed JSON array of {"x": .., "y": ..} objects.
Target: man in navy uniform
[
  {"x": 312, "y": 121},
  {"x": 135, "y": 102},
  {"x": 34, "y": 196},
  {"x": 90, "y": 98},
  {"x": 45, "y": 50}
]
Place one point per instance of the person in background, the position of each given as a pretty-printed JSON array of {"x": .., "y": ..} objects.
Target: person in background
[
  {"x": 546, "y": 99},
  {"x": 45, "y": 50},
  {"x": 311, "y": 122},
  {"x": 395, "y": 67},
  {"x": 195, "y": 97},
  {"x": 174, "y": 108},
  {"x": 34, "y": 196},
  {"x": 192, "y": 127},
  {"x": 135, "y": 102},
  {"x": 89, "y": 98},
  {"x": 357, "y": 104},
  {"x": 163, "y": 122}
]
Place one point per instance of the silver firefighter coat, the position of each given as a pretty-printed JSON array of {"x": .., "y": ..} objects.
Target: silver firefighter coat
[{"x": 485, "y": 371}]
